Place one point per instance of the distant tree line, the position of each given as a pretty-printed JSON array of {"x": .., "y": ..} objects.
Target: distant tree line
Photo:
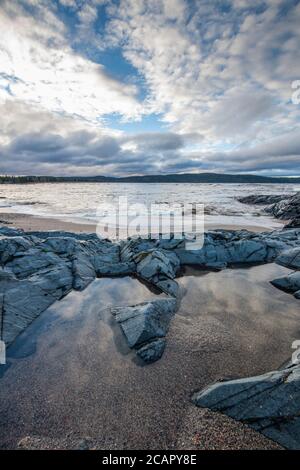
[
  {"x": 6, "y": 179},
  {"x": 167, "y": 178}
]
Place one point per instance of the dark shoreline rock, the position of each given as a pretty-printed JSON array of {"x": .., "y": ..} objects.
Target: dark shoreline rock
[
  {"x": 280, "y": 206},
  {"x": 262, "y": 199},
  {"x": 287, "y": 209},
  {"x": 41, "y": 267},
  {"x": 45, "y": 266},
  {"x": 269, "y": 403},
  {"x": 145, "y": 326},
  {"x": 294, "y": 223}
]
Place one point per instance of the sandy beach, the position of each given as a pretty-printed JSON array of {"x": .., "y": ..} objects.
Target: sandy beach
[
  {"x": 30, "y": 222},
  {"x": 107, "y": 399}
]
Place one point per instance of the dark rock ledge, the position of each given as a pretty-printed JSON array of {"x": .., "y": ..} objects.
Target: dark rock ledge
[
  {"x": 280, "y": 206},
  {"x": 41, "y": 267},
  {"x": 38, "y": 268},
  {"x": 269, "y": 403}
]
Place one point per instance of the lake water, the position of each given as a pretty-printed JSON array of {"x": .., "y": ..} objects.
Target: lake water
[{"x": 79, "y": 201}]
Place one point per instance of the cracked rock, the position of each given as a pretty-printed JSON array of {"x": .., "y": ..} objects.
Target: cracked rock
[{"x": 269, "y": 403}]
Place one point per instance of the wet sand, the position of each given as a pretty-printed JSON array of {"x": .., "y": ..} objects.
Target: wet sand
[
  {"x": 71, "y": 381},
  {"x": 33, "y": 223}
]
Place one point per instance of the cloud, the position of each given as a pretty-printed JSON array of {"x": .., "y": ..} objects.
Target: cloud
[
  {"x": 39, "y": 67},
  {"x": 214, "y": 76},
  {"x": 234, "y": 60}
]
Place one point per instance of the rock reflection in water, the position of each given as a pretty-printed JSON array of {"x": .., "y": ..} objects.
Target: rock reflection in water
[{"x": 67, "y": 379}]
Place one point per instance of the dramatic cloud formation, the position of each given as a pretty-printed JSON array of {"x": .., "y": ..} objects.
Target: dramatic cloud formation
[{"x": 140, "y": 86}]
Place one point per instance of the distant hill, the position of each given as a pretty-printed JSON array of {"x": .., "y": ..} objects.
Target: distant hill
[{"x": 171, "y": 178}]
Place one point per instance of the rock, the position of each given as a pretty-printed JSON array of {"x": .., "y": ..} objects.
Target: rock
[
  {"x": 27, "y": 263},
  {"x": 131, "y": 247},
  {"x": 45, "y": 266},
  {"x": 280, "y": 206},
  {"x": 145, "y": 322},
  {"x": 262, "y": 199},
  {"x": 288, "y": 208},
  {"x": 223, "y": 248},
  {"x": 10, "y": 232},
  {"x": 289, "y": 258},
  {"x": 62, "y": 234},
  {"x": 293, "y": 223},
  {"x": 115, "y": 269},
  {"x": 290, "y": 283},
  {"x": 169, "y": 287},
  {"x": 104, "y": 252},
  {"x": 269, "y": 403},
  {"x": 59, "y": 245},
  {"x": 11, "y": 246},
  {"x": 82, "y": 268},
  {"x": 152, "y": 351},
  {"x": 23, "y": 301},
  {"x": 157, "y": 265},
  {"x": 56, "y": 280}
]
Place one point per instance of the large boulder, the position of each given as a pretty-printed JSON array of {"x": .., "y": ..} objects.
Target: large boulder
[{"x": 269, "y": 403}]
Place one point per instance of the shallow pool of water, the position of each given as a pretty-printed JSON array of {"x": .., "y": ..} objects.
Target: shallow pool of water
[{"x": 71, "y": 373}]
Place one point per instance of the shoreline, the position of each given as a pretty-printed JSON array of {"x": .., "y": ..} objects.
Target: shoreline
[
  {"x": 32, "y": 223},
  {"x": 48, "y": 270}
]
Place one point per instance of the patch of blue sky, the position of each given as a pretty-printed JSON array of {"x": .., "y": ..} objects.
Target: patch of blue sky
[{"x": 149, "y": 123}]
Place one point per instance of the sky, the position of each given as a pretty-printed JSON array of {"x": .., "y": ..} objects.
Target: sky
[{"x": 126, "y": 87}]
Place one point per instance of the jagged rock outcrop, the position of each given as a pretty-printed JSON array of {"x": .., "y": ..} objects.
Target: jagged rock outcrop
[
  {"x": 159, "y": 267},
  {"x": 262, "y": 199},
  {"x": 45, "y": 266},
  {"x": 280, "y": 206},
  {"x": 286, "y": 209},
  {"x": 290, "y": 258},
  {"x": 222, "y": 248},
  {"x": 290, "y": 283},
  {"x": 293, "y": 223},
  {"x": 269, "y": 403},
  {"x": 145, "y": 326}
]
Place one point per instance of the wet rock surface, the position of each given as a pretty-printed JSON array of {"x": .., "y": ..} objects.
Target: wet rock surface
[
  {"x": 262, "y": 199},
  {"x": 280, "y": 206},
  {"x": 293, "y": 223},
  {"x": 286, "y": 209},
  {"x": 269, "y": 403},
  {"x": 145, "y": 326},
  {"x": 38, "y": 268},
  {"x": 290, "y": 258},
  {"x": 290, "y": 283}
]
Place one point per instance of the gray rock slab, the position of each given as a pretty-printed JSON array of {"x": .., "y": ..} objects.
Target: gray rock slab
[{"x": 269, "y": 403}]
